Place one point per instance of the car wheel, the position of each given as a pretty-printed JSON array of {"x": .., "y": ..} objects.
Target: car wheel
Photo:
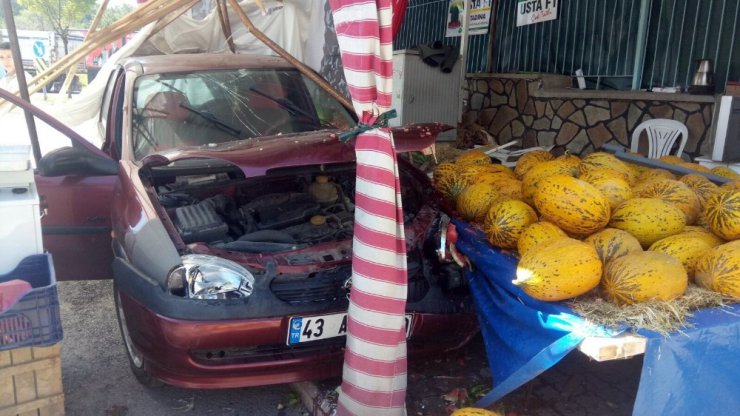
[{"x": 135, "y": 358}]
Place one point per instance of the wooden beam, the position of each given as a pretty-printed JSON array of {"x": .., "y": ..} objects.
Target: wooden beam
[
  {"x": 149, "y": 12},
  {"x": 223, "y": 17},
  {"x": 614, "y": 348}
]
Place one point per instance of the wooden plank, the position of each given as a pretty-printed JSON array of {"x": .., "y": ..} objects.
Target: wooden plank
[
  {"x": 31, "y": 382},
  {"x": 7, "y": 392},
  {"x": 309, "y": 393},
  {"x": 614, "y": 348},
  {"x": 30, "y": 367},
  {"x": 33, "y": 406},
  {"x": 46, "y": 352}
]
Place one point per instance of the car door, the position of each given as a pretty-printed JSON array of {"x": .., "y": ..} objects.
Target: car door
[{"x": 75, "y": 186}]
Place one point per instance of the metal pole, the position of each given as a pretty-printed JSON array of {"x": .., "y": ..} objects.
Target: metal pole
[
  {"x": 463, "y": 62},
  {"x": 21, "y": 77},
  {"x": 640, "y": 46}
]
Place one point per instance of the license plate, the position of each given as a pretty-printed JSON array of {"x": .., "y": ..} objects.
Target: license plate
[{"x": 314, "y": 328}]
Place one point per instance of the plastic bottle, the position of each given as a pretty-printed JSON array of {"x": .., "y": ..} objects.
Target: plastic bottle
[{"x": 323, "y": 191}]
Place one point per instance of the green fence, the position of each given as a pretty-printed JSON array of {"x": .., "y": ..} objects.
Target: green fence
[{"x": 600, "y": 38}]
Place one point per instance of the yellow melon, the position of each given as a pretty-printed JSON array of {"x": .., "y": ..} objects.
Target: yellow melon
[
  {"x": 648, "y": 219},
  {"x": 643, "y": 276},
  {"x": 473, "y": 202},
  {"x": 685, "y": 247},
  {"x": 443, "y": 170},
  {"x": 702, "y": 187},
  {"x": 470, "y": 171},
  {"x": 499, "y": 169},
  {"x": 734, "y": 185},
  {"x": 474, "y": 157},
  {"x": 543, "y": 170},
  {"x": 559, "y": 269},
  {"x": 602, "y": 160},
  {"x": 507, "y": 186},
  {"x": 726, "y": 172},
  {"x": 571, "y": 160},
  {"x": 719, "y": 269},
  {"x": 572, "y": 204},
  {"x": 611, "y": 243},
  {"x": 616, "y": 190},
  {"x": 674, "y": 192},
  {"x": 603, "y": 173},
  {"x": 530, "y": 159},
  {"x": 474, "y": 411},
  {"x": 694, "y": 166},
  {"x": 672, "y": 159},
  {"x": 450, "y": 186},
  {"x": 722, "y": 212},
  {"x": 538, "y": 233},
  {"x": 712, "y": 239},
  {"x": 505, "y": 222},
  {"x": 652, "y": 174}
]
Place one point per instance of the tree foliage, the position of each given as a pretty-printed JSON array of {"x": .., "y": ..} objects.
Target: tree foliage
[
  {"x": 14, "y": 7},
  {"x": 114, "y": 13},
  {"x": 62, "y": 16}
]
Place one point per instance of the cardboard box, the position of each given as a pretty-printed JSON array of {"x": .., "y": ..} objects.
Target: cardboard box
[
  {"x": 31, "y": 381},
  {"x": 733, "y": 88}
]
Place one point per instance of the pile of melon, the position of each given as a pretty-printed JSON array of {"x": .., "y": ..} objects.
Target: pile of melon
[{"x": 596, "y": 223}]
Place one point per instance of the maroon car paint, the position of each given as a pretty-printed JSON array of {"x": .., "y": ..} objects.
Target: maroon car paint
[{"x": 170, "y": 345}]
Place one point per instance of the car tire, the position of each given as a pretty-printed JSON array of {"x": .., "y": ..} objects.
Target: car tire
[{"x": 136, "y": 360}]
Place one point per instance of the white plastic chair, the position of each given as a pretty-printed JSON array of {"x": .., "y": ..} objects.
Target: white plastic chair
[{"x": 662, "y": 134}]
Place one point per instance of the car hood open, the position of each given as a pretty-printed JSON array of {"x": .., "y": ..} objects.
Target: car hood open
[{"x": 255, "y": 156}]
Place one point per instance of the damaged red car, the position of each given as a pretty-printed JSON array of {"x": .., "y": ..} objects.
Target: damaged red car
[{"x": 228, "y": 201}]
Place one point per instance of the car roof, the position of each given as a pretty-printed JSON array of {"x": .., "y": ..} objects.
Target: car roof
[{"x": 158, "y": 64}]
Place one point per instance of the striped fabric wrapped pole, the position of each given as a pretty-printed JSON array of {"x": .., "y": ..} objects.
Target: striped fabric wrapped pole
[{"x": 374, "y": 376}]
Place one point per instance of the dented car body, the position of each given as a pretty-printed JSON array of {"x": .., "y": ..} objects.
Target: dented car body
[{"x": 230, "y": 204}]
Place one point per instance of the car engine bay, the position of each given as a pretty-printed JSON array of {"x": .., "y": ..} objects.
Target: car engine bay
[{"x": 283, "y": 211}]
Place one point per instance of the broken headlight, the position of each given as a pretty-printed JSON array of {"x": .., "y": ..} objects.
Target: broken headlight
[{"x": 209, "y": 277}]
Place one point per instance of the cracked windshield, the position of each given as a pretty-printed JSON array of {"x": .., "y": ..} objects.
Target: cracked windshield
[{"x": 211, "y": 107}]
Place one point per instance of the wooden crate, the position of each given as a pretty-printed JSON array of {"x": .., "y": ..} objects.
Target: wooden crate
[{"x": 31, "y": 382}]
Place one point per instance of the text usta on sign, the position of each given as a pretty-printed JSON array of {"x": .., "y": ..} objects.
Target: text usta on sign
[{"x": 535, "y": 11}]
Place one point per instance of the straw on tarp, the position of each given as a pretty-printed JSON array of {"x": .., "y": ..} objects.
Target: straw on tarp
[{"x": 658, "y": 316}]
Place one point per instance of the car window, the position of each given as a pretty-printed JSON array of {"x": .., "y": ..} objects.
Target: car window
[{"x": 198, "y": 108}]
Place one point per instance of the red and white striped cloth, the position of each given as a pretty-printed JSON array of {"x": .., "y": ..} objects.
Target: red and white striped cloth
[{"x": 374, "y": 377}]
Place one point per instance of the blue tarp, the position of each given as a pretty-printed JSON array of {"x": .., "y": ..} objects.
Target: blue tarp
[{"x": 695, "y": 372}]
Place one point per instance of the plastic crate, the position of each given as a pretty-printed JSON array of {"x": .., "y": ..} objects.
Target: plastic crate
[{"x": 34, "y": 320}]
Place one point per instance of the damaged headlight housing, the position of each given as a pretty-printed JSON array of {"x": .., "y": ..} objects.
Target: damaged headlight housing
[{"x": 210, "y": 277}]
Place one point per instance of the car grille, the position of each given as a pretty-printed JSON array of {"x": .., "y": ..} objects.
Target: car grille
[
  {"x": 324, "y": 286},
  {"x": 264, "y": 353}
]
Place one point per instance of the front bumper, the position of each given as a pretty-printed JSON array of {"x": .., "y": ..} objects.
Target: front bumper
[{"x": 253, "y": 352}]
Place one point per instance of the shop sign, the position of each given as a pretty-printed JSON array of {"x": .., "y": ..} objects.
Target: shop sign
[
  {"x": 480, "y": 15},
  {"x": 536, "y": 11}
]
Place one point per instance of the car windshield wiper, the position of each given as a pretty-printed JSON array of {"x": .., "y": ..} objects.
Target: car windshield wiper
[
  {"x": 215, "y": 120},
  {"x": 292, "y": 108}
]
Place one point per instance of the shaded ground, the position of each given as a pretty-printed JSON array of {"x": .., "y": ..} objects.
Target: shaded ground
[
  {"x": 97, "y": 379},
  {"x": 576, "y": 386}
]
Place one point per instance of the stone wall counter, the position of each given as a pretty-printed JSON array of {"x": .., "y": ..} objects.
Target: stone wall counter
[{"x": 542, "y": 110}]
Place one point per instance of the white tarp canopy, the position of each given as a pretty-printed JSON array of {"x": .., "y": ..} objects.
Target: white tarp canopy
[{"x": 296, "y": 25}]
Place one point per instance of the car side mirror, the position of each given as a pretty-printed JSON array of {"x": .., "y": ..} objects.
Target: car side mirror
[{"x": 71, "y": 161}]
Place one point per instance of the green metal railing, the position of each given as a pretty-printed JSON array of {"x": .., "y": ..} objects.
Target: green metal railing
[{"x": 650, "y": 42}]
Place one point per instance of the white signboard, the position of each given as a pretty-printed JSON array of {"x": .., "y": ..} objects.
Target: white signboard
[
  {"x": 536, "y": 11},
  {"x": 480, "y": 15}
]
